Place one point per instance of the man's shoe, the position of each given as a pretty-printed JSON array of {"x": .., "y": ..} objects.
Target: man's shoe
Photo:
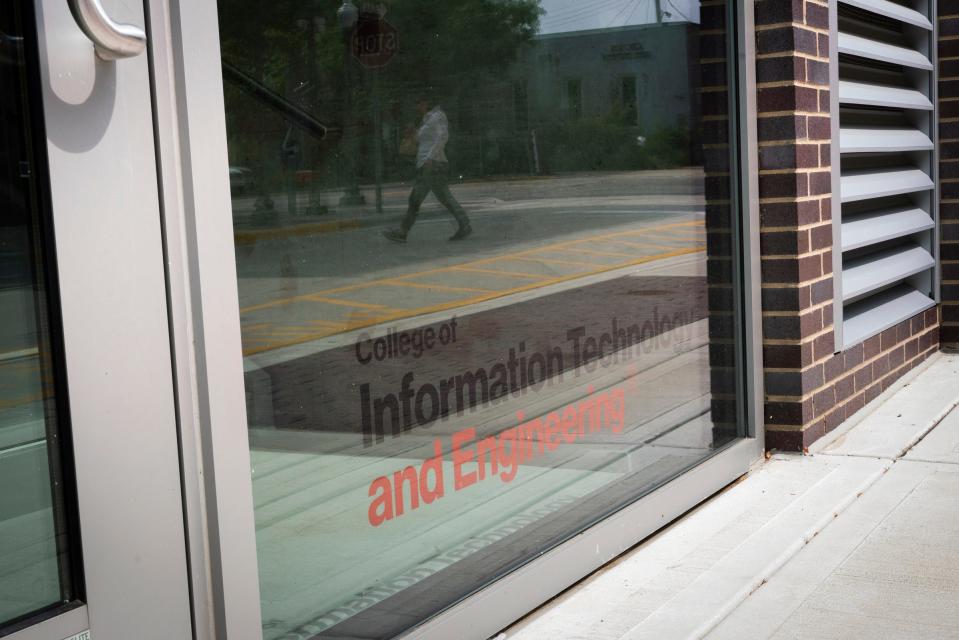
[
  {"x": 462, "y": 233},
  {"x": 395, "y": 235}
]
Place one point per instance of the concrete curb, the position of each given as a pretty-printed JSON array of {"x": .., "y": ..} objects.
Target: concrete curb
[
  {"x": 246, "y": 237},
  {"x": 252, "y": 236}
]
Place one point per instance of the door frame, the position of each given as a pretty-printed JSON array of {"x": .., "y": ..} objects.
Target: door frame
[
  {"x": 207, "y": 342},
  {"x": 108, "y": 248},
  {"x": 205, "y": 327}
]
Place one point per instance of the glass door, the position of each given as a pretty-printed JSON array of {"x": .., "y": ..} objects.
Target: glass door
[
  {"x": 477, "y": 305},
  {"x": 91, "y": 527}
]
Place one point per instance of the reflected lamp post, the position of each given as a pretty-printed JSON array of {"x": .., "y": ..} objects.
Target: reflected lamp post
[
  {"x": 314, "y": 24},
  {"x": 347, "y": 16}
]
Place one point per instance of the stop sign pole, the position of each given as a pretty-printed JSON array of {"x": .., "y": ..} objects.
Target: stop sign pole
[{"x": 373, "y": 44}]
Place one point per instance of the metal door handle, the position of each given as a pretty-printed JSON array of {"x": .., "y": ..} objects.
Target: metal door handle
[{"x": 111, "y": 40}]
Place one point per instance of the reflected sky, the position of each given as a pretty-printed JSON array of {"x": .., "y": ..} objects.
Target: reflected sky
[{"x": 577, "y": 15}]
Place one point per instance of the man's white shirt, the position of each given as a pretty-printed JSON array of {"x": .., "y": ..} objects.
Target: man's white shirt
[{"x": 432, "y": 136}]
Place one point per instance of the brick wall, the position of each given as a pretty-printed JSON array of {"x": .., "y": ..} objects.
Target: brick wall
[
  {"x": 809, "y": 389},
  {"x": 949, "y": 166}
]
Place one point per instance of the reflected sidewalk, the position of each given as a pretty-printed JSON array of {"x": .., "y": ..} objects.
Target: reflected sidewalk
[
  {"x": 858, "y": 539},
  {"x": 319, "y": 212}
]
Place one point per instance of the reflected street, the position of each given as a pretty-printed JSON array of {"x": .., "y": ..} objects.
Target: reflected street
[{"x": 528, "y": 234}]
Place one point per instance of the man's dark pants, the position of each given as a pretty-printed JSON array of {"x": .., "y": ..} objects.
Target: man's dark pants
[{"x": 434, "y": 177}]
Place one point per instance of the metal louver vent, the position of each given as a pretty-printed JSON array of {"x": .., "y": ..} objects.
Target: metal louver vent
[{"x": 884, "y": 165}]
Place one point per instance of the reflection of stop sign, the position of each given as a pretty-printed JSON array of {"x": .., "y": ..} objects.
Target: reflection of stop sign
[{"x": 375, "y": 42}]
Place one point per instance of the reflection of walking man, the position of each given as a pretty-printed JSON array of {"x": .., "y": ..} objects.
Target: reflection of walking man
[{"x": 432, "y": 173}]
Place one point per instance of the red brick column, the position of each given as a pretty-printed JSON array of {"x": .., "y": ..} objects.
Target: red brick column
[
  {"x": 949, "y": 166},
  {"x": 809, "y": 388}
]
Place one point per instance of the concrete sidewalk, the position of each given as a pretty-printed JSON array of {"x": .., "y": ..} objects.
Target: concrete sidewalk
[{"x": 858, "y": 539}]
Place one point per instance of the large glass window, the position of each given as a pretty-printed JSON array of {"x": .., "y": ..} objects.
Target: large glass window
[
  {"x": 35, "y": 566},
  {"x": 487, "y": 277}
]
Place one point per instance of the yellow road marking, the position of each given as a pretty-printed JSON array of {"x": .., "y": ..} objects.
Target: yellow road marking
[
  {"x": 387, "y": 313},
  {"x": 329, "y": 323},
  {"x": 485, "y": 261},
  {"x": 640, "y": 245},
  {"x": 512, "y": 274},
  {"x": 574, "y": 263},
  {"x": 436, "y": 287},
  {"x": 491, "y": 296},
  {"x": 345, "y": 303},
  {"x": 688, "y": 231},
  {"x": 691, "y": 228},
  {"x": 293, "y": 331},
  {"x": 612, "y": 254},
  {"x": 659, "y": 237},
  {"x": 242, "y": 238}
]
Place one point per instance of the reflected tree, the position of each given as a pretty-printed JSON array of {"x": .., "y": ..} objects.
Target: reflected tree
[{"x": 296, "y": 49}]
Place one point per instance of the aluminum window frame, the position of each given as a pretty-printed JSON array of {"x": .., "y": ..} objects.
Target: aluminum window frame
[{"x": 192, "y": 151}]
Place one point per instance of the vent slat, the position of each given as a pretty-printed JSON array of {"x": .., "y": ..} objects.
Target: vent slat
[
  {"x": 882, "y": 140},
  {"x": 877, "y": 95},
  {"x": 892, "y": 10},
  {"x": 882, "y": 51},
  {"x": 878, "y": 183},
  {"x": 874, "y": 271},
  {"x": 873, "y": 315},
  {"x": 866, "y": 229}
]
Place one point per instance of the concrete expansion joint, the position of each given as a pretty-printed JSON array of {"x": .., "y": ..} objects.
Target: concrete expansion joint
[
  {"x": 921, "y": 436},
  {"x": 891, "y": 397},
  {"x": 790, "y": 551}
]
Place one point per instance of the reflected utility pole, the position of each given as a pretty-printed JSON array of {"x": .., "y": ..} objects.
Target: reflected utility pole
[
  {"x": 375, "y": 44},
  {"x": 316, "y": 24},
  {"x": 378, "y": 141},
  {"x": 347, "y": 16}
]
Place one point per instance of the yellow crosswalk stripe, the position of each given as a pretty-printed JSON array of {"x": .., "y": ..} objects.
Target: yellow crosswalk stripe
[
  {"x": 434, "y": 287},
  {"x": 574, "y": 263},
  {"x": 366, "y": 313},
  {"x": 512, "y": 274}
]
